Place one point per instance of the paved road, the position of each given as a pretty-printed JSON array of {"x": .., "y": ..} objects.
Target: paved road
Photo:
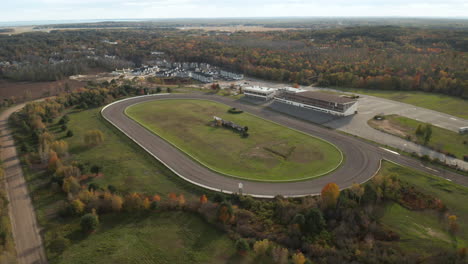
[
  {"x": 26, "y": 231},
  {"x": 369, "y": 106},
  {"x": 361, "y": 163}
]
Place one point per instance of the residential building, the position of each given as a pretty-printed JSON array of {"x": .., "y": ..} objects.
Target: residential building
[
  {"x": 231, "y": 75},
  {"x": 202, "y": 77}
]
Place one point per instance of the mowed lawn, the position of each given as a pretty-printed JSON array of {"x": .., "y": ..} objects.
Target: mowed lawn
[
  {"x": 441, "y": 140},
  {"x": 271, "y": 152},
  {"x": 124, "y": 164},
  {"x": 163, "y": 238},
  {"x": 427, "y": 230},
  {"x": 451, "y": 105}
]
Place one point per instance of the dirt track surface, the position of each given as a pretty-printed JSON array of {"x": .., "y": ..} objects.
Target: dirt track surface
[
  {"x": 361, "y": 162},
  {"x": 26, "y": 231}
]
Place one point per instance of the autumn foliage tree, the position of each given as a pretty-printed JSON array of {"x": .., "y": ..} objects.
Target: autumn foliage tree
[
  {"x": 225, "y": 212},
  {"x": 261, "y": 247},
  {"x": 330, "y": 194},
  {"x": 77, "y": 207},
  {"x": 203, "y": 199},
  {"x": 133, "y": 202},
  {"x": 71, "y": 185},
  {"x": 60, "y": 147},
  {"x": 54, "y": 161},
  {"x": 298, "y": 258},
  {"x": 453, "y": 225},
  {"x": 280, "y": 255}
]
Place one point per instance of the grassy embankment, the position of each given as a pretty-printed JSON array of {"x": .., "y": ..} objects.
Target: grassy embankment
[
  {"x": 438, "y": 102},
  {"x": 442, "y": 140},
  {"x": 421, "y": 231},
  {"x": 271, "y": 152},
  {"x": 7, "y": 244},
  {"x": 173, "y": 237}
]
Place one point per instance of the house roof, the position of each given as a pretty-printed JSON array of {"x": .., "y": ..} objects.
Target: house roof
[{"x": 326, "y": 97}]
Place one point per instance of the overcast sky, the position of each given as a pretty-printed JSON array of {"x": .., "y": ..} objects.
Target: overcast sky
[{"x": 27, "y": 10}]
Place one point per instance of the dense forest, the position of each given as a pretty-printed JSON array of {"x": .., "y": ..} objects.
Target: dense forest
[{"x": 371, "y": 57}]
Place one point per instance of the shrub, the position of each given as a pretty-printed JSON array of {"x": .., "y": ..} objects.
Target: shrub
[
  {"x": 112, "y": 189},
  {"x": 261, "y": 247},
  {"x": 95, "y": 169},
  {"x": 77, "y": 207},
  {"x": 59, "y": 245},
  {"x": 69, "y": 133},
  {"x": 93, "y": 137},
  {"x": 242, "y": 247},
  {"x": 235, "y": 111},
  {"x": 89, "y": 222}
]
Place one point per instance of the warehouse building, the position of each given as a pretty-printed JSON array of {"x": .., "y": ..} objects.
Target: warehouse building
[{"x": 323, "y": 102}]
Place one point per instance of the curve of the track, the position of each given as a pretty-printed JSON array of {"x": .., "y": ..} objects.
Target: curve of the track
[{"x": 362, "y": 159}]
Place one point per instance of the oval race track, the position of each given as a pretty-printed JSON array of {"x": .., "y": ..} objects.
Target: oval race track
[{"x": 362, "y": 160}]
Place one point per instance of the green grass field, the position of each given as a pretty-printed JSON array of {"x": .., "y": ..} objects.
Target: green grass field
[
  {"x": 271, "y": 152},
  {"x": 442, "y": 103},
  {"x": 425, "y": 230},
  {"x": 172, "y": 237},
  {"x": 165, "y": 238},
  {"x": 125, "y": 165},
  {"x": 442, "y": 139}
]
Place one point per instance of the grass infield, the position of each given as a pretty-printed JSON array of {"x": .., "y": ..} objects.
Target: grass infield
[{"x": 271, "y": 152}]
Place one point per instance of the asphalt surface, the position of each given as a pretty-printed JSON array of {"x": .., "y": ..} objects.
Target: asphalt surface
[
  {"x": 368, "y": 107},
  {"x": 362, "y": 159},
  {"x": 26, "y": 231}
]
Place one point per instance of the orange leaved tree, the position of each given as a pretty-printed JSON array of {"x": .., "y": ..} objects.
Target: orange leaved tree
[{"x": 330, "y": 195}]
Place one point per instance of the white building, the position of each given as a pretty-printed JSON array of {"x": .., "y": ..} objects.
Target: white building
[
  {"x": 232, "y": 75},
  {"x": 202, "y": 77},
  {"x": 291, "y": 90},
  {"x": 260, "y": 92},
  {"x": 322, "y": 102},
  {"x": 121, "y": 72}
]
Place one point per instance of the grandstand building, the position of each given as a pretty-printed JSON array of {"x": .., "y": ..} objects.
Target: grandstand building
[
  {"x": 260, "y": 92},
  {"x": 323, "y": 102}
]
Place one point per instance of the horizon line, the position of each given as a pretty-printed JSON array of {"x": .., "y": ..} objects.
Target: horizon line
[{"x": 238, "y": 18}]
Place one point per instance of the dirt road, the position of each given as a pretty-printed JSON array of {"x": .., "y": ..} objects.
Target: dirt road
[{"x": 28, "y": 241}]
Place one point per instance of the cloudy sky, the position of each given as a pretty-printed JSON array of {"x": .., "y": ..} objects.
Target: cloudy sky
[{"x": 27, "y": 10}]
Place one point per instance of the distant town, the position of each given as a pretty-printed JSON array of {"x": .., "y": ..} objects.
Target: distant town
[{"x": 202, "y": 72}]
